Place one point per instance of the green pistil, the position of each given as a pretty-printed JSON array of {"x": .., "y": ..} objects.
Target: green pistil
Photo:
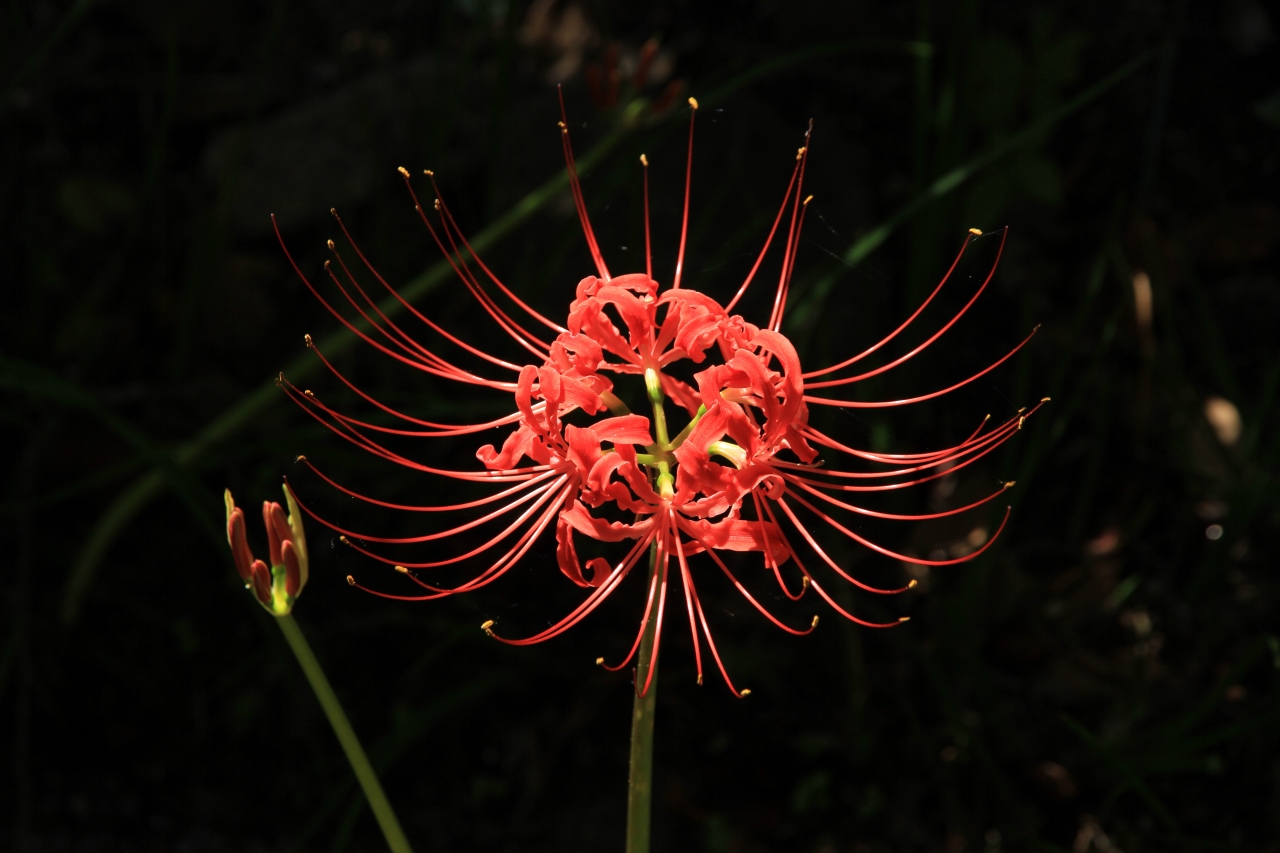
[
  {"x": 658, "y": 456},
  {"x": 684, "y": 433},
  {"x": 728, "y": 450},
  {"x": 613, "y": 404},
  {"x": 666, "y": 482},
  {"x": 653, "y": 384}
]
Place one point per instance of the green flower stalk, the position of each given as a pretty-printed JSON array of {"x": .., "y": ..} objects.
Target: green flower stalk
[{"x": 277, "y": 588}]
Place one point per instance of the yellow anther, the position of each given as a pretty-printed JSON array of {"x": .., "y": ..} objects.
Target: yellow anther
[
  {"x": 402, "y": 570},
  {"x": 1011, "y": 484},
  {"x": 487, "y": 627},
  {"x": 800, "y": 152},
  {"x": 343, "y": 540},
  {"x": 437, "y": 204},
  {"x": 351, "y": 581},
  {"x": 804, "y": 582},
  {"x": 560, "y": 125},
  {"x": 300, "y": 458},
  {"x": 326, "y": 266},
  {"x": 693, "y": 103},
  {"x": 1045, "y": 399},
  {"x": 307, "y": 338},
  {"x": 913, "y": 584},
  {"x": 329, "y": 243},
  {"x": 308, "y": 393},
  {"x": 644, "y": 161},
  {"x": 599, "y": 661},
  {"x": 977, "y": 232},
  {"x": 699, "y": 679},
  {"x": 814, "y": 623},
  {"x": 902, "y": 619},
  {"x": 1021, "y": 421},
  {"x": 744, "y": 693},
  {"x": 402, "y": 170},
  {"x": 428, "y": 173},
  {"x": 334, "y": 211},
  {"x": 807, "y": 200}
]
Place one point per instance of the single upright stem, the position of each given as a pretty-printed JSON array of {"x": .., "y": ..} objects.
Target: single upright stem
[
  {"x": 365, "y": 774},
  {"x": 640, "y": 788}
]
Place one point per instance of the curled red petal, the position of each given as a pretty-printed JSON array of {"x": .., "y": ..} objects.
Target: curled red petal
[
  {"x": 567, "y": 554},
  {"x": 738, "y": 534},
  {"x": 579, "y": 519}
]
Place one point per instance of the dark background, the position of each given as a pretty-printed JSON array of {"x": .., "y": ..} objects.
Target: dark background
[{"x": 1107, "y": 677}]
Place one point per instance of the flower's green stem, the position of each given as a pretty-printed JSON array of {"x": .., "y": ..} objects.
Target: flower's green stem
[
  {"x": 640, "y": 789},
  {"x": 368, "y": 779}
]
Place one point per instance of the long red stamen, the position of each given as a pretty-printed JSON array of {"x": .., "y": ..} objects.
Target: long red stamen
[
  {"x": 793, "y": 234},
  {"x": 597, "y": 596},
  {"x": 782, "y": 209},
  {"x": 769, "y": 559},
  {"x": 923, "y": 461},
  {"x": 879, "y": 549},
  {"x": 856, "y": 404},
  {"x": 419, "y": 315},
  {"x": 854, "y": 359},
  {"x": 357, "y": 438},
  {"x": 688, "y": 180},
  {"x": 812, "y": 582},
  {"x": 538, "y": 496},
  {"x": 497, "y": 496},
  {"x": 822, "y": 554},
  {"x": 851, "y": 379},
  {"x": 889, "y": 515},
  {"x": 648, "y": 248},
  {"x": 555, "y": 327},
  {"x": 747, "y": 595},
  {"x": 437, "y": 429},
  {"x": 418, "y": 356},
  {"x": 575, "y": 186},
  {"x": 687, "y": 582},
  {"x": 663, "y": 559},
  {"x": 650, "y": 599},
  {"x": 522, "y": 336}
]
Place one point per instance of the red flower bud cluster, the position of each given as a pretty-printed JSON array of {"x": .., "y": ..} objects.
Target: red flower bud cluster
[{"x": 278, "y": 585}]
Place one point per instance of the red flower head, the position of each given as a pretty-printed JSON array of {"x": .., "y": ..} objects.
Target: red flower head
[{"x": 728, "y": 474}]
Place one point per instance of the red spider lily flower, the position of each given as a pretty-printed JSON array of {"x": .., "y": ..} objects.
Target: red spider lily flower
[
  {"x": 276, "y": 587},
  {"x": 736, "y": 475}
]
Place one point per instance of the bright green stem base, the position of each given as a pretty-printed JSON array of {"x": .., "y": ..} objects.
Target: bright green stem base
[
  {"x": 640, "y": 787},
  {"x": 368, "y": 779}
]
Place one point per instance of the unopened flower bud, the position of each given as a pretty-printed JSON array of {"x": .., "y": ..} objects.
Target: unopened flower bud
[
  {"x": 278, "y": 585},
  {"x": 238, "y": 541},
  {"x": 277, "y": 529},
  {"x": 262, "y": 582}
]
